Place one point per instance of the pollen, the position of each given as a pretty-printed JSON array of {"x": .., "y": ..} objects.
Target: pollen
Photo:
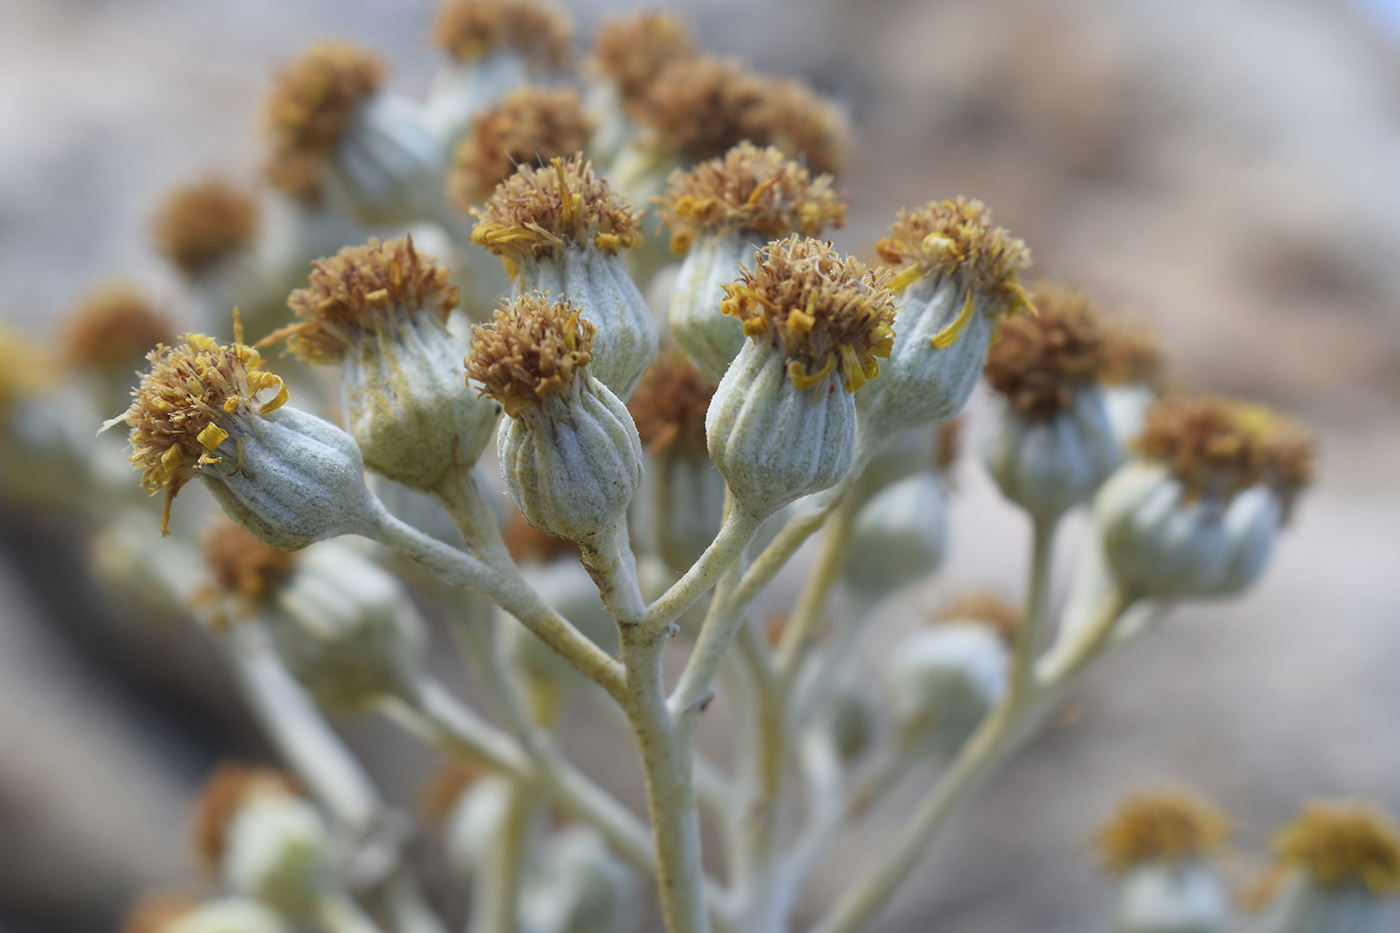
[
  {"x": 360, "y": 291},
  {"x": 113, "y": 328},
  {"x": 1038, "y": 362},
  {"x": 539, "y": 211},
  {"x": 156, "y": 913},
  {"x": 631, "y": 51},
  {"x": 314, "y": 97},
  {"x": 472, "y": 29},
  {"x": 956, "y": 238},
  {"x": 533, "y": 347},
  {"x": 985, "y": 607},
  {"x": 229, "y": 788},
  {"x": 240, "y": 565},
  {"x": 1171, "y": 825},
  {"x": 824, "y": 312},
  {"x": 749, "y": 189},
  {"x": 1132, "y": 354},
  {"x": 702, "y": 107},
  {"x": 1345, "y": 842},
  {"x": 669, "y": 405},
  {"x": 195, "y": 383},
  {"x": 531, "y": 126},
  {"x": 199, "y": 224}
]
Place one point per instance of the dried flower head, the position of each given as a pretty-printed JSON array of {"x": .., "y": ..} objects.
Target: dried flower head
[
  {"x": 530, "y": 127},
  {"x": 363, "y": 290},
  {"x": 1219, "y": 445},
  {"x": 155, "y": 913},
  {"x": 702, "y": 107},
  {"x": 956, "y": 238},
  {"x": 472, "y": 29},
  {"x": 228, "y": 788},
  {"x": 1167, "y": 826},
  {"x": 670, "y": 404},
  {"x": 749, "y": 189},
  {"x": 1132, "y": 354},
  {"x": 823, "y": 311},
  {"x": 532, "y": 348},
  {"x": 802, "y": 123},
  {"x": 632, "y": 51},
  {"x": 1346, "y": 842},
  {"x": 199, "y": 224},
  {"x": 112, "y": 328},
  {"x": 313, "y": 97},
  {"x": 189, "y": 387},
  {"x": 295, "y": 174},
  {"x": 538, "y": 211},
  {"x": 528, "y": 545},
  {"x": 985, "y": 607},
  {"x": 240, "y": 565},
  {"x": 445, "y": 788},
  {"x": 1038, "y": 361}
]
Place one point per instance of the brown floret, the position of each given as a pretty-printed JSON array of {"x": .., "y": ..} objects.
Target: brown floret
[
  {"x": 956, "y": 238},
  {"x": 528, "y": 545},
  {"x": 539, "y": 211},
  {"x": 749, "y": 189},
  {"x": 156, "y": 913},
  {"x": 803, "y": 124},
  {"x": 472, "y": 29},
  {"x": 199, "y": 224},
  {"x": 530, "y": 127},
  {"x": 240, "y": 565},
  {"x": 1039, "y": 361},
  {"x": 947, "y": 442},
  {"x": 363, "y": 290},
  {"x": 823, "y": 311},
  {"x": 702, "y": 107},
  {"x": 533, "y": 348},
  {"x": 985, "y": 607},
  {"x": 669, "y": 405},
  {"x": 1132, "y": 354},
  {"x": 296, "y": 174},
  {"x": 228, "y": 788},
  {"x": 113, "y": 328},
  {"x": 633, "y": 50},
  {"x": 313, "y": 98},
  {"x": 1162, "y": 826},
  {"x": 1344, "y": 842}
]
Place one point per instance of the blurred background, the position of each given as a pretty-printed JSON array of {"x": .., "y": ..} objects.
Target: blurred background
[{"x": 1229, "y": 169}]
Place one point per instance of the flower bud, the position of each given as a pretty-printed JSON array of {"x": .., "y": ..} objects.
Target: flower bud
[
  {"x": 719, "y": 214},
  {"x": 900, "y": 536},
  {"x": 265, "y": 840},
  {"x": 569, "y": 451},
  {"x": 847, "y": 714},
  {"x": 958, "y": 276},
  {"x": 559, "y": 227},
  {"x": 1200, "y": 514},
  {"x": 205, "y": 409},
  {"x": 943, "y": 680},
  {"x": 347, "y": 629},
  {"x": 781, "y": 424},
  {"x": 580, "y": 887},
  {"x": 218, "y": 915},
  {"x": 379, "y": 311}
]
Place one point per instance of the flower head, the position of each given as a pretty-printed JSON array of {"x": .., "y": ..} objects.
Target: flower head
[
  {"x": 156, "y": 913},
  {"x": 1166, "y": 825},
  {"x": 240, "y": 565},
  {"x": 25, "y": 368},
  {"x": 749, "y": 189},
  {"x": 314, "y": 97},
  {"x": 228, "y": 788},
  {"x": 802, "y": 123},
  {"x": 533, "y": 347},
  {"x": 631, "y": 51},
  {"x": 985, "y": 607},
  {"x": 700, "y": 108},
  {"x": 472, "y": 29},
  {"x": 1039, "y": 361},
  {"x": 1344, "y": 842},
  {"x": 199, "y": 224},
  {"x": 538, "y": 211},
  {"x": 531, "y": 126},
  {"x": 670, "y": 404},
  {"x": 956, "y": 238},
  {"x": 822, "y": 311},
  {"x": 1132, "y": 354},
  {"x": 113, "y": 327},
  {"x": 363, "y": 290}
]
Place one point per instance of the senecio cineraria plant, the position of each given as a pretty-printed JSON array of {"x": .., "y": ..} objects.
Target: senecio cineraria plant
[{"x": 666, "y": 437}]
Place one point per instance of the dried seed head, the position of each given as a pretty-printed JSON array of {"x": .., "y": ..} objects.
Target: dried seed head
[
  {"x": 1344, "y": 842},
  {"x": 360, "y": 291},
  {"x": 986, "y": 607},
  {"x": 633, "y": 50},
  {"x": 472, "y": 29},
  {"x": 749, "y": 189},
  {"x": 802, "y": 123},
  {"x": 295, "y": 174},
  {"x": 228, "y": 788},
  {"x": 702, "y": 107},
  {"x": 1038, "y": 361},
  {"x": 956, "y": 238},
  {"x": 1132, "y": 354},
  {"x": 538, "y": 211},
  {"x": 1164, "y": 826},
  {"x": 313, "y": 98},
  {"x": 442, "y": 792},
  {"x": 1219, "y": 445},
  {"x": 240, "y": 565},
  {"x": 532, "y": 348},
  {"x": 528, "y": 545},
  {"x": 155, "y": 913},
  {"x": 197, "y": 225},
  {"x": 822, "y": 311},
  {"x": 529, "y": 127},
  {"x": 112, "y": 328},
  {"x": 670, "y": 404},
  {"x": 189, "y": 387}
]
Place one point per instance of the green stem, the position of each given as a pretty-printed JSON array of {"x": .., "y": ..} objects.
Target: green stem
[{"x": 1032, "y": 628}]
